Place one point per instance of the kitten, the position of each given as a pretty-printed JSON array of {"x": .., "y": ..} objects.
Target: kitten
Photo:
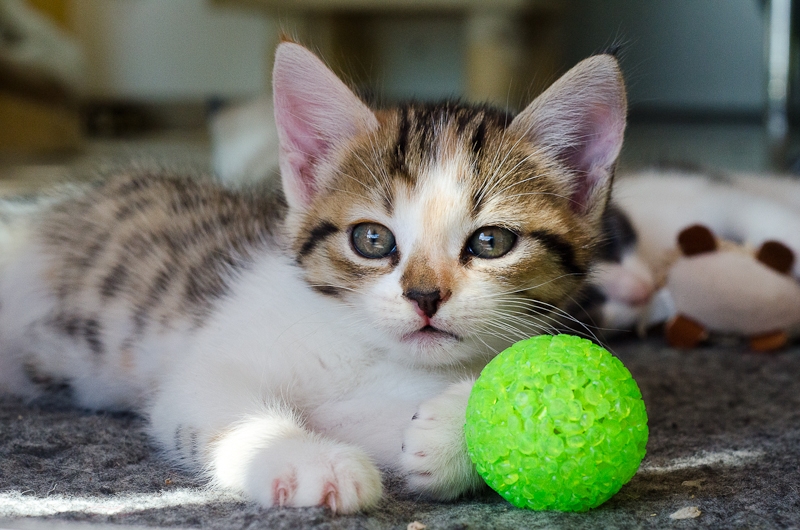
[{"x": 289, "y": 348}]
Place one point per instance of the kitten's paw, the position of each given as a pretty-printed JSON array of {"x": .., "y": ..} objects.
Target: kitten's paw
[
  {"x": 435, "y": 459},
  {"x": 314, "y": 472}
]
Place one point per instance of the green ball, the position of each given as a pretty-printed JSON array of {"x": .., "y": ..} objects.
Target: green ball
[{"x": 556, "y": 423}]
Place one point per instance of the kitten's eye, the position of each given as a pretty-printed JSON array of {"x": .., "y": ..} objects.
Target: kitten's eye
[
  {"x": 372, "y": 240},
  {"x": 491, "y": 242}
]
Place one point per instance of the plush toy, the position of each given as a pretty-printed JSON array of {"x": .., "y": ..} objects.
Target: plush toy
[
  {"x": 556, "y": 423},
  {"x": 719, "y": 287}
]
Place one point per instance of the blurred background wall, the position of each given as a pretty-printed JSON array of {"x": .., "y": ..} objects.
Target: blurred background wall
[
  {"x": 153, "y": 64},
  {"x": 679, "y": 55},
  {"x": 178, "y": 50}
]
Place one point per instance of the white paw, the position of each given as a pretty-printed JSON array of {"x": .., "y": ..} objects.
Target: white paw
[
  {"x": 314, "y": 472},
  {"x": 435, "y": 459}
]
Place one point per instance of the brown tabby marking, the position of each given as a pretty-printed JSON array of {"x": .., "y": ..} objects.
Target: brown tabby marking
[{"x": 163, "y": 246}]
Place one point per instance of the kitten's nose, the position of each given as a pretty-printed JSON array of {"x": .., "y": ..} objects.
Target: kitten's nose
[{"x": 428, "y": 301}]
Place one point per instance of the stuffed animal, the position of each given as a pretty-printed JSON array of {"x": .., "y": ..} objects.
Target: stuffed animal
[{"x": 717, "y": 286}]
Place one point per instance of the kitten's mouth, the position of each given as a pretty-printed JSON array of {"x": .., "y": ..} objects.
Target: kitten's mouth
[{"x": 430, "y": 333}]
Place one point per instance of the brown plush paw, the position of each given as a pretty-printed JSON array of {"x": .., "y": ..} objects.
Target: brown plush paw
[
  {"x": 697, "y": 239},
  {"x": 777, "y": 256},
  {"x": 683, "y": 332},
  {"x": 769, "y": 341}
]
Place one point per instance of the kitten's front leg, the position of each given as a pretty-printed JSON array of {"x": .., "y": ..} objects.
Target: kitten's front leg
[
  {"x": 270, "y": 457},
  {"x": 434, "y": 457}
]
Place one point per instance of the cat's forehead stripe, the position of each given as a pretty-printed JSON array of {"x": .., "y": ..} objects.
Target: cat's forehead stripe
[
  {"x": 422, "y": 127},
  {"x": 401, "y": 147},
  {"x": 478, "y": 137}
]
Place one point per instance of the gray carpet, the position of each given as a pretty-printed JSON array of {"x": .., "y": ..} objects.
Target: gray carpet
[{"x": 724, "y": 444}]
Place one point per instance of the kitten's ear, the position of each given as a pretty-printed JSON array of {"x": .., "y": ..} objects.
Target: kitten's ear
[
  {"x": 314, "y": 113},
  {"x": 580, "y": 120}
]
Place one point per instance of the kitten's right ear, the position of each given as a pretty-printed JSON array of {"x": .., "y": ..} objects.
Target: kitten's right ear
[
  {"x": 580, "y": 121},
  {"x": 314, "y": 113}
]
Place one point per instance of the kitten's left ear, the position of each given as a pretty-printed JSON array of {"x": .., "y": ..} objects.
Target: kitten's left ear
[
  {"x": 315, "y": 112},
  {"x": 580, "y": 120}
]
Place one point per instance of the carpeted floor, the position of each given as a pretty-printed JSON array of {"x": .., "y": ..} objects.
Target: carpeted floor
[
  {"x": 724, "y": 452},
  {"x": 724, "y": 429}
]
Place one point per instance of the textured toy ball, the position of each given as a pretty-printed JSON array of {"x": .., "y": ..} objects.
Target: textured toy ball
[{"x": 556, "y": 423}]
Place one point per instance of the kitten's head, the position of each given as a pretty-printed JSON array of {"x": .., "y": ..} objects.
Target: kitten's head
[{"x": 448, "y": 230}]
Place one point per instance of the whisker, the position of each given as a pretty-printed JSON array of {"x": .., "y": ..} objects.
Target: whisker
[
  {"x": 523, "y": 181},
  {"x": 570, "y": 199},
  {"x": 335, "y": 287},
  {"x": 527, "y": 320},
  {"x": 369, "y": 170},
  {"x": 529, "y": 288},
  {"x": 498, "y": 180},
  {"x": 492, "y": 175}
]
